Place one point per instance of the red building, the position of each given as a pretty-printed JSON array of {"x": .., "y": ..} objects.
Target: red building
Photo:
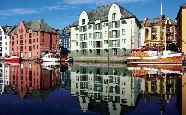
[{"x": 30, "y": 40}]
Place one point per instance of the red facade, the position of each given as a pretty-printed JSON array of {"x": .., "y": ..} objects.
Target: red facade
[{"x": 28, "y": 43}]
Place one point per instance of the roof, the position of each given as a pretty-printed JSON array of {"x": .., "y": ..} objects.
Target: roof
[
  {"x": 156, "y": 21},
  {"x": 39, "y": 25},
  {"x": 7, "y": 29},
  {"x": 101, "y": 13}
]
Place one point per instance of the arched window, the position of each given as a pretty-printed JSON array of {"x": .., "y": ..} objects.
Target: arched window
[{"x": 113, "y": 16}]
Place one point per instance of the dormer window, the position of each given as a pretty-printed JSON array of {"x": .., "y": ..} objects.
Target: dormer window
[
  {"x": 113, "y": 16},
  {"x": 83, "y": 21}
]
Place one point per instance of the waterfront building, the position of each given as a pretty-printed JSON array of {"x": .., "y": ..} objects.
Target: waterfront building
[
  {"x": 5, "y": 40},
  {"x": 33, "y": 39},
  {"x": 157, "y": 30},
  {"x": 108, "y": 31},
  {"x": 65, "y": 38},
  {"x": 181, "y": 29}
]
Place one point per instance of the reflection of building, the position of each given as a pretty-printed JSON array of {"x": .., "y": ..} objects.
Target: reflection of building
[
  {"x": 181, "y": 20},
  {"x": 107, "y": 30},
  {"x": 107, "y": 87},
  {"x": 28, "y": 77},
  {"x": 165, "y": 85},
  {"x": 4, "y": 76}
]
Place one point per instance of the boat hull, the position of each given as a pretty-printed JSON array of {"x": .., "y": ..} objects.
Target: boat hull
[{"x": 168, "y": 60}]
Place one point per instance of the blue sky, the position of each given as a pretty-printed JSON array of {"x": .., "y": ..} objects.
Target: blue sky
[{"x": 61, "y": 13}]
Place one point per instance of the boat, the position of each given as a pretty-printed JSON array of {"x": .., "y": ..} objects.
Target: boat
[
  {"x": 12, "y": 59},
  {"x": 50, "y": 57},
  {"x": 154, "y": 56}
]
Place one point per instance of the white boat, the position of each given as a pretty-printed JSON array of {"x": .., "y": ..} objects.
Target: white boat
[
  {"x": 50, "y": 65},
  {"x": 49, "y": 57}
]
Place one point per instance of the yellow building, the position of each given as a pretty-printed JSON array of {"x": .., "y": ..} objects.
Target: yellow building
[
  {"x": 181, "y": 20},
  {"x": 155, "y": 32}
]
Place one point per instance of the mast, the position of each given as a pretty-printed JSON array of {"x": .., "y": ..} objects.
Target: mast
[{"x": 161, "y": 15}]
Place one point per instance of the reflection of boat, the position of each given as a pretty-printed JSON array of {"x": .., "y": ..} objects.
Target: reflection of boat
[
  {"x": 50, "y": 65},
  {"x": 13, "y": 59},
  {"x": 49, "y": 57},
  {"x": 153, "y": 56},
  {"x": 154, "y": 69},
  {"x": 66, "y": 59}
]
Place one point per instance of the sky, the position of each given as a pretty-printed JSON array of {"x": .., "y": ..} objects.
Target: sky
[{"x": 61, "y": 13}]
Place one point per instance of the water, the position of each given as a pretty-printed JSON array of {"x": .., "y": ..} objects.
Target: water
[{"x": 95, "y": 89}]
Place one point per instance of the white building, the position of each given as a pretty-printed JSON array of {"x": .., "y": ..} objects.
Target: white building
[
  {"x": 109, "y": 30},
  {"x": 4, "y": 40}
]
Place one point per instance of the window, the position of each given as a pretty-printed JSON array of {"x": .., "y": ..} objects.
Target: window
[
  {"x": 0, "y": 32},
  {"x": 98, "y": 35},
  {"x": 83, "y": 21},
  {"x": 114, "y": 24},
  {"x": 98, "y": 26},
  {"x": 34, "y": 40},
  {"x": 30, "y": 48},
  {"x": 5, "y": 43},
  {"x": 33, "y": 46},
  {"x": 113, "y": 16},
  {"x": 98, "y": 51},
  {"x": 21, "y": 36},
  {"x": 76, "y": 36},
  {"x": 123, "y": 31},
  {"x": 12, "y": 43},
  {"x": 124, "y": 40},
  {"x": 21, "y": 48},
  {"x": 25, "y": 47},
  {"x": 114, "y": 43},
  {"x": 76, "y": 43},
  {"x": 114, "y": 33},
  {"x": 0, "y": 37},
  {"x": 90, "y": 35},
  {"x": 30, "y": 35},
  {"x": 30, "y": 41},
  {"x": 105, "y": 41}
]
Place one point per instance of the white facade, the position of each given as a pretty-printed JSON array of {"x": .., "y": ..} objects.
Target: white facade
[
  {"x": 116, "y": 33},
  {"x": 4, "y": 42}
]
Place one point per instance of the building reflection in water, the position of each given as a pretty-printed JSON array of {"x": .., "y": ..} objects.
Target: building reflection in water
[
  {"x": 28, "y": 79},
  {"x": 117, "y": 89},
  {"x": 113, "y": 89}
]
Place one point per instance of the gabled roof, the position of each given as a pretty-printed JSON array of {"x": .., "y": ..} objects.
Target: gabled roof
[
  {"x": 39, "y": 25},
  {"x": 7, "y": 29},
  {"x": 101, "y": 13},
  {"x": 156, "y": 21}
]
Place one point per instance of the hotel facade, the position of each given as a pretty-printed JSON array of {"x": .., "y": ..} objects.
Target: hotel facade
[{"x": 109, "y": 30}]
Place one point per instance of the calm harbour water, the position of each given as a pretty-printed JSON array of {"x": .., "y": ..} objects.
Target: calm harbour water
[{"x": 95, "y": 89}]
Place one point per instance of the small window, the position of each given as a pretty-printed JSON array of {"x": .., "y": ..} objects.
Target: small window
[
  {"x": 83, "y": 21},
  {"x": 30, "y": 35},
  {"x": 113, "y": 16},
  {"x": 123, "y": 31}
]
